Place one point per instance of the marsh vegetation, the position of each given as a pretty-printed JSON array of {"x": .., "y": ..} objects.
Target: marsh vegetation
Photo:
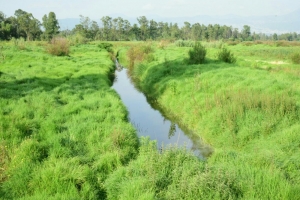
[{"x": 64, "y": 132}]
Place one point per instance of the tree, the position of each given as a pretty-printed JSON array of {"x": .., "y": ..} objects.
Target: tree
[
  {"x": 127, "y": 29},
  {"x": 94, "y": 30},
  {"x": 28, "y": 26},
  {"x": 196, "y": 31},
  {"x": 107, "y": 26},
  {"x": 246, "y": 33},
  {"x": 144, "y": 27},
  {"x": 135, "y": 32},
  {"x": 153, "y": 29},
  {"x": 50, "y": 25},
  {"x": 5, "y": 27},
  {"x": 186, "y": 30},
  {"x": 175, "y": 31},
  {"x": 275, "y": 36}
]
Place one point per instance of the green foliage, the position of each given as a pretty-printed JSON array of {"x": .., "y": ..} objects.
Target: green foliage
[
  {"x": 51, "y": 26},
  {"x": 59, "y": 47},
  {"x": 197, "y": 54},
  {"x": 226, "y": 55},
  {"x": 235, "y": 109},
  {"x": 63, "y": 129},
  {"x": 77, "y": 39},
  {"x": 2, "y": 56},
  {"x": 106, "y": 46},
  {"x": 184, "y": 43},
  {"x": 139, "y": 53},
  {"x": 19, "y": 43},
  {"x": 295, "y": 58},
  {"x": 170, "y": 174},
  {"x": 65, "y": 135},
  {"x": 29, "y": 27}
]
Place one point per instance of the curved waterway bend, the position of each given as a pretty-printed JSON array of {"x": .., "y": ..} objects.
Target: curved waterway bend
[{"x": 150, "y": 122}]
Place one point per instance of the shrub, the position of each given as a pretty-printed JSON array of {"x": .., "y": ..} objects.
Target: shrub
[
  {"x": 225, "y": 55},
  {"x": 1, "y": 53},
  {"x": 296, "y": 58},
  {"x": 232, "y": 43},
  {"x": 139, "y": 53},
  {"x": 59, "y": 47},
  {"x": 147, "y": 48},
  {"x": 77, "y": 39},
  {"x": 106, "y": 46},
  {"x": 197, "y": 54},
  {"x": 19, "y": 43},
  {"x": 248, "y": 43},
  {"x": 184, "y": 43},
  {"x": 214, "y": 44},
  {"x": 163, "y": 44}
]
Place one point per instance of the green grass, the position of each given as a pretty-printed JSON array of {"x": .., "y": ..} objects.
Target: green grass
[
  {"x": 248, "y": 111},
  {"x": 63, "y": 129},
  {"x": 64, "y": 132}
]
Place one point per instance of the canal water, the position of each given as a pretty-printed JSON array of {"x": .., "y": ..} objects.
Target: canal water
[{"x": 151, "y": 122}]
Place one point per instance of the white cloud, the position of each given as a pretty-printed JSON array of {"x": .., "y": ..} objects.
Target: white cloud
[{"x": 149, "y": 6}]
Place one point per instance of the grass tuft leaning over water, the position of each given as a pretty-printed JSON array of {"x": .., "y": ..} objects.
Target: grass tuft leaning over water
[
  {"x": 248, "y": 111},
  {"x": 64, "y": 133}
]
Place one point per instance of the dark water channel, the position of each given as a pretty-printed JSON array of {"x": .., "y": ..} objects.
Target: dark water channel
[{"x": 150, "y": 120}]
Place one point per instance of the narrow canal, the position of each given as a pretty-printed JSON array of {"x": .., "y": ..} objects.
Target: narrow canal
[{"x": 151, "y": 122}]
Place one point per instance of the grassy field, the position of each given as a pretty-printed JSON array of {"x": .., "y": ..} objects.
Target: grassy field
[
  {"x": 248, "y": 111},
  {"x": 64, "y": 132},
  {"x": 63, "y": 129}
]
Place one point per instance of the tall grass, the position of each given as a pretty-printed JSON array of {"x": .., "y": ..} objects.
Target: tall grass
[
  {"x": 172, "y": 174},
  {"x": 65, "y": 134},
  {"x": 295, "y": 58},
  {"x": 59, "y": 47},
  {"x": 63, "y": 129},
  {"x": 249, "y": 115}
]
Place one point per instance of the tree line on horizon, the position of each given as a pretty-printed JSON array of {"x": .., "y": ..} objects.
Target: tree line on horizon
[{"x": 24, "y": 25}]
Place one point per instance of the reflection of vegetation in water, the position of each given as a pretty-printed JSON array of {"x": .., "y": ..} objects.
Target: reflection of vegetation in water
[
  {"x": 248, "y": 110},
  {"x": 197, "y": 143},
  {"x": 172, "y": 130}
]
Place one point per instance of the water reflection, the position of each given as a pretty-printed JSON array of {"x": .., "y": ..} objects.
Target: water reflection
[
  {"x": 172, "y": 130},
  {"x": 150, "y": 120}
]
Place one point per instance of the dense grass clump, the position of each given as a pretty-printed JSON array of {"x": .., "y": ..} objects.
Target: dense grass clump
[
  {"x": 65, "y": 134},
  {"x": 295, "y": 58},
  {"x": 107, "y": 46},
  {"x": 63, "y": 129},
  {"x": 249, "y": 114},
  {"x": 184, "y": 43},
  {"x": 226, "y": 55},
  {"x": 139, "y": 53},
  {"x": 197, "y": 54},
  {"x": 171, "y": 174},
  {"x": 59, "y": 47}
]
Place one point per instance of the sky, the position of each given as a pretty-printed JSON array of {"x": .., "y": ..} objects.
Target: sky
[{"x": 96, "y": 9}]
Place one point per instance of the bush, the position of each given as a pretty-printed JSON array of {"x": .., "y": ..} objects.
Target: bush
[
  {"x": 139, "y": 53},
  {"x": 106, "y": 46},
  {"x": 296, "y": 58},
  {"x": 284, "y": 43},
  {"x": 197, "y": 54},
  {"x": 232, "y": 43},
  {"x": 225, "y": 55},
  {"x": 184, "y": 43},
  {"x": 59, "y": 47},
  {"x": 77, "y": 39},
  {"x": 19, "y": 43},
  {"x": 163, "y": 44}
]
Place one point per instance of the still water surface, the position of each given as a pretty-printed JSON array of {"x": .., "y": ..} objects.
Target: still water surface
[{"x": 150, "y": 122}]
